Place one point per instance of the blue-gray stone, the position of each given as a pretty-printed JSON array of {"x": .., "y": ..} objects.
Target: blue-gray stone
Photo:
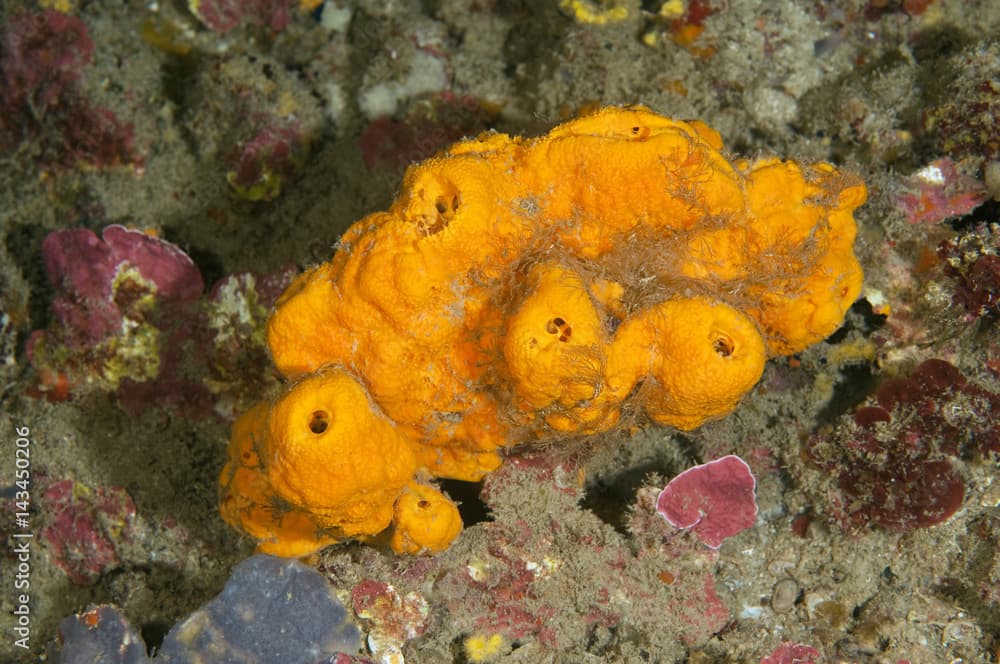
[
  {"x": 99, "y": 635},
  {"x": 271, "y": 611}
]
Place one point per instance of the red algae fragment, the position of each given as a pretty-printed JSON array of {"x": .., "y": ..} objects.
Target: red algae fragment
[
  {"x": 716, "y": 500},
  {"x": 129, "y": 311},
  {"x": 225, "y": 15},
  {"x": 938, "y": 192},
  {"x": 43, "y": 109},
  {"x": 85, "y": 528},
  {"x": 792, "y": 653},
  {"x": 893, "y": 462}
]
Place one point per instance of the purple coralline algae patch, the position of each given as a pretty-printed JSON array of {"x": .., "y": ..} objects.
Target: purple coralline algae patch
[
  {"x": 392, "y": 144},
  {"x": 978, "y": 288},
  {"x": 715, "y": 500},
  {"x": 793, "y": 653},
  {"x": 42, "y": 56},
  {"x": 972, "y": 261},
  {"x": 939, "y": 191},
  {"x": 84, "y": 528},
  {"x": 964, "y": 125},
  {"x": 89, "y": 275},
  {"x": 893, "y": 461},
  {"x": 226, "y": 15},
  {"x": 267, "y": 158},
  {"x": 701, "y": 611},
  {"x": 507, "y": 599},
  {"x": 389, "y": 618},
  {"x": 129, "y": 314},
  {"x": 237, "y": 370},
  {"x": 118, "y": 306}
]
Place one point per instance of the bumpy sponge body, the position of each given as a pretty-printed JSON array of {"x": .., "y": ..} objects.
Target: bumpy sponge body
[
  {"x": 529, "y": 289},
  {"x": 298, "y": 472},
  {"x": 426, "y": 521},
  {"x": 554, "y": 341},
  {"x": 696, "y": 355}
]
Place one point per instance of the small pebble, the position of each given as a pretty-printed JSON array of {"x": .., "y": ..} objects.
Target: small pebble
[{"x": 783, "y": 595}]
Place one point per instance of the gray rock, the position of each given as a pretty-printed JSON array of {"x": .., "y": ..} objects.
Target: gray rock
[
  {"x": 99, "y": 635},
  {"x": 271, "y": 610}
]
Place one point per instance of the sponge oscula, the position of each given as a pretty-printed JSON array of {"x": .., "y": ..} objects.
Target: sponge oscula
[
  {"x": 298, "y": 472},
  {"x": 696, "y": 357},
  {"x": 425, "y": 521}
]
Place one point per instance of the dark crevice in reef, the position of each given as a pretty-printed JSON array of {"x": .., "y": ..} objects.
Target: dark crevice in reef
[
  {"x": 153, "y": 634},
  {"x": 857, "y": 380},
  {"x": 856, "y": 383},
  {"x": 466, "y": 494},
  {"x": 987, "y": 213},
  {"x": 611, "y": 498},
  {"x": 862, "y": 317}
]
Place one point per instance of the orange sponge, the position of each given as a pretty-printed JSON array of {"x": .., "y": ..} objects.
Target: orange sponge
[{"x": 530, "y": 289}]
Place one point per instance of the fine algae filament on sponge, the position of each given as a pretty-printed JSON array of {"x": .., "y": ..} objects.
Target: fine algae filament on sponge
[
  {"x": 702, "y": 355},
  {"x": 529, "y": 290}
]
